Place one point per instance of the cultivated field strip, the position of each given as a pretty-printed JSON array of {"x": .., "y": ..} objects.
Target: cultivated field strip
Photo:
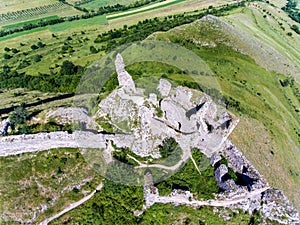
[
  {"x": 27, "y": 14},
  {"x": 143, "y": 9},
  {"x": 79, "y": 2}
]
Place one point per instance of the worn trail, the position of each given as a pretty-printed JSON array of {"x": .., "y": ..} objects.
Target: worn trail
[{"x": 72, "y": 206}]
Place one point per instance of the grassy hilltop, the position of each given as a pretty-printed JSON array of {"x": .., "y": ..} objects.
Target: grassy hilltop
[{"x": 251, "y": 50}]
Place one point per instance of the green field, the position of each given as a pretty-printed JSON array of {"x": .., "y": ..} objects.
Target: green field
[
  {"x": 95, "y": 4},
  {"x": 96, "y": 21},
  {"x": 39, "y": 12},
  {"x": 30, "y": 22}
]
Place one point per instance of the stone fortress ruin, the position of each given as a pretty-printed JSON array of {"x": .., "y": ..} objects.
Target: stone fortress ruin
[{"x": 141, "y": 123}]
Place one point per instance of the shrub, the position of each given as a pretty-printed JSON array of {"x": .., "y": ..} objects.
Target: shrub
[
  {"x": 14, "y": 50},
  {"x": 6, "y": 69},
  {"x": 34, "y": 47},
  {"x": 23, "y": 64},
  {"x": 68, "y": 68},
  {"x": 18, "y": 116},
  {"x": 93, "y": 50},
  {"x": 295, "y": 28}
]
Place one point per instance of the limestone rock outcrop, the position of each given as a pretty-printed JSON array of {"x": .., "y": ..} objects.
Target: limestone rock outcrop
[
  {"x": 189, "y": 116},
  {"x": 125, "y": 80}
]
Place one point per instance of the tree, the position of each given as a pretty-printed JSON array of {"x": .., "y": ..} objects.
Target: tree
[
  {"x": 295, "y": 28},
  {"x": 7, "y": 56},
  {"x": 93, "y": 50},
  {"x": 14, "y": 50},
  {"x": 37, "y": 58},
  {"x": 34, "y": 47},
  {"x": 18, "y": 120},
  {"x": 6, "y": 69},
  {"x": 6, "y": 49},
  {"x": 41, "y": 44},
  {"x": 168, "y": 147},
  {"x": 68, "y": 68},
  {"x": 18, "y": 116}
]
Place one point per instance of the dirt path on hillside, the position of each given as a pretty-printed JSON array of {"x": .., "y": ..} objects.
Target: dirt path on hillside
[{"x": 72, "y": 206}]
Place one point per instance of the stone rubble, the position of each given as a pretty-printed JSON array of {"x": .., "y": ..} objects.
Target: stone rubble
[{"x": 69, "y": 115}]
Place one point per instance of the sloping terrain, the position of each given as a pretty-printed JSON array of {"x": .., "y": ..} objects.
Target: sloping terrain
[
  {"x": 253, "y": 55},
  {"x": 249, "y": 68}
]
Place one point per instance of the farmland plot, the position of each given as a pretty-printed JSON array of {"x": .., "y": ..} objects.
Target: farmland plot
[
  {"x": 16, "y": 5},
  {"x": 95, "y": 4},
  {"x": 57, "y": 8}
]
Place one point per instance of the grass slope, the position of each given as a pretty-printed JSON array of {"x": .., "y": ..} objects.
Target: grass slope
[
  {"x": 43, "y": 181},
  {"x": 268, "y": 133}
]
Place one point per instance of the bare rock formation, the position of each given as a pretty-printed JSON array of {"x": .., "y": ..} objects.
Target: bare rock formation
[
  {"x": 69, "y": 115},
  {"x": 276, "y": 207},
  {"x": 189, "y": 116},
  {"x": 238, "y": 162},
  {"x": 4, "y": 125},
  {"x": 125, "y": 80},
  {"x": 164, "y": 87},
  {"x": 220, "y": 172}
]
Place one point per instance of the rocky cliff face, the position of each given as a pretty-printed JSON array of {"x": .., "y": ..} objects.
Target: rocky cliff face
[{"x": 124, "y": 77}]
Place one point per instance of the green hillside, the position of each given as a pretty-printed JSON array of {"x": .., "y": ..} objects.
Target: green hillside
[{"x": 268, "y": 132}]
